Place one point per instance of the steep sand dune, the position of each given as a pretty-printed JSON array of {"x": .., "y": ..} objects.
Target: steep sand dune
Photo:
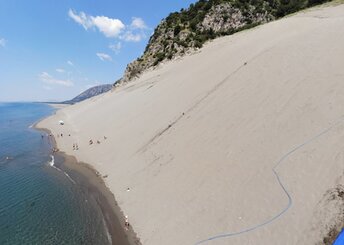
[{"x": 197, "y": 140}]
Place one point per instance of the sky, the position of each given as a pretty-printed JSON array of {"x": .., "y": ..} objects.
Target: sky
[{"x": 53, "y": 50}]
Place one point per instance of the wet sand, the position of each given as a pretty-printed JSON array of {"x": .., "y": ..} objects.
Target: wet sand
[{"x": 93, "y": 185}]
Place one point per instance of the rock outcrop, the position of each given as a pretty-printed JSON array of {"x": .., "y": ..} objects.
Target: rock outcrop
[{"x": 187, "y": 30}]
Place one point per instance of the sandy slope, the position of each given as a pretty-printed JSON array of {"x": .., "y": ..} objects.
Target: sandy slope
[{"x": 196, "y": 140}]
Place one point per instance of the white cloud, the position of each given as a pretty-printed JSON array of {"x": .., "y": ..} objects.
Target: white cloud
[
  {"x": 2, "y": 42},
  {"x": 48, "y": 79},
  {"x": 108, "y": 26},
  {"x": 70, "y": 63},
  {"x": 138, "y": 23},
  {"x": 81, "y": 19},
  {"x": 112, "y": 28},
  {"x": 129, "y": 36},
  {"x": 116, "y": 47},
  {"x": 136, "y": 31},
  {"x": 104, "y": 57},
  {"x": 60, "y": 70}
]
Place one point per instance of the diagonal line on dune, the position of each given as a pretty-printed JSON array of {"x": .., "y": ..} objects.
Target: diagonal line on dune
[
  {"x": 198, "y": 102},
  {"x": 274, "y": 169}
]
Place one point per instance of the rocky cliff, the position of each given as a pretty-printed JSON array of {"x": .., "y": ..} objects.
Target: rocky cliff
[{"x": 187, "y": 30}]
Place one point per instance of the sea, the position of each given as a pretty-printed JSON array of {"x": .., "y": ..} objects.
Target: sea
[{"x": 40, "y": 204}]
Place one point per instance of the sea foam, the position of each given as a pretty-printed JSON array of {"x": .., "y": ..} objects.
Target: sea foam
[
  {"x": 52, "y": 164},
  {"x": 52, "y": 161}
]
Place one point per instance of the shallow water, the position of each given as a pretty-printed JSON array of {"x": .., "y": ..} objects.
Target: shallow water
[{"x": 38, "y": 203}]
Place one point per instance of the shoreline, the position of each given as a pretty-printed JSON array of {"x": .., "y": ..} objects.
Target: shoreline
[
  {"x": 88, "y": 178},
  {"x": 57, "y": 106},
  {"x": 199, "y": 141}
]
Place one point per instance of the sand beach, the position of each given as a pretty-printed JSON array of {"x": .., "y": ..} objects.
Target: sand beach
[{"x": 239, "y": 143}]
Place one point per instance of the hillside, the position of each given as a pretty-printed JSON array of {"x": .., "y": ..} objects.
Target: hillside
[
  {"x": 187, "y": 30},
  {"x": 89, "y": 93},
  {"x": 240, "y": 143}
]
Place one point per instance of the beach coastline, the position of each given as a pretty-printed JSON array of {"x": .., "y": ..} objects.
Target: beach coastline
[
  {"x": 188, "y": 148},
  {"x": 57, "y": 106},
  {"x": 92, "y": 183}
]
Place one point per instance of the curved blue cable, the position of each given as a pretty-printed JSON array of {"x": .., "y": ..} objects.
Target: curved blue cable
[{"x": 290, "y": 201}]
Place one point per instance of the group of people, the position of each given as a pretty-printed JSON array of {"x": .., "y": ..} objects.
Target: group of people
[
  {"x": 90, "y": 142},
  {"x": 61, "y": 135},
  {"x": 75, "y": 147},
  {"x": 126, "y": 223}
]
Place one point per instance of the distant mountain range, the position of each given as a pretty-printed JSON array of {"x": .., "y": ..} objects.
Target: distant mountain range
[{"x": 89, "y": 93}]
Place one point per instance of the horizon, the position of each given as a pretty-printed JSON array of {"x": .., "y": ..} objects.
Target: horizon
[{"x": 62, "y": 49}]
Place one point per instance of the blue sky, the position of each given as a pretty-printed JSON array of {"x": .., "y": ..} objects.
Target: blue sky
[{"x": 53, "y": 50}]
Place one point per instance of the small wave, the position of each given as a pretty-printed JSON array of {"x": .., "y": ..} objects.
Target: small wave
[
  {"x": 108, "y": 235},
  {"x": 70, "y": 178},
  {"x": 52, "y": 164},
  {"x": 52, "y": 161}
]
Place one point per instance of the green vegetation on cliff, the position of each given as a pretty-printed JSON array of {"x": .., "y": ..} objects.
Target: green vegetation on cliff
[{"x": 190, "y": 28}]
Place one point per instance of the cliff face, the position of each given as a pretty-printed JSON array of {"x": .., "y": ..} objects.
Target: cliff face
[{"x": 187, "y": 30}]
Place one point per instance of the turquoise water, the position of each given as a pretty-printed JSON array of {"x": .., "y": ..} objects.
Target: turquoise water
[{"x": 38, "y": 204}]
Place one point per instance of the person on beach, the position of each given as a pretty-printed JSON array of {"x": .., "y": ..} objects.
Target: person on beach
[
  {"x": 73, "y": 147},
  {"x": 90, "y": 142},
  {"x": 76, "y": 146}
]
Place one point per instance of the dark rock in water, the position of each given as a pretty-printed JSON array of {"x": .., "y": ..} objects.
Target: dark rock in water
[{"x": 89, "y": 93}]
